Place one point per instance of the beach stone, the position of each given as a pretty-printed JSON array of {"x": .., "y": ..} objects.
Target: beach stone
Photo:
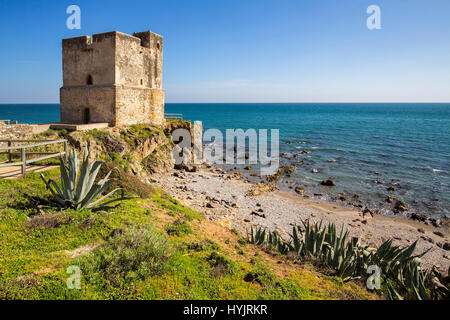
[
  {"x": 210, "y": 205},
  {"x": 391, "y": 199},
  {"x": 400, "y": 207},
  {"x": 327, "y": 182},
  {"x": 419, "y": 217},
  {"x": 299, "y": 190},
  {"x": 261, "y": 215},
  {"x": 435, "y": 222},
  {"x": 438, "y": 233},
  {"x": 288, "y": 169},
  {"x": 446, "y": 246},
  {"x": 260, "y": 189},
  {"x": 392, "y": 189},
  {"x": 427, "y": 239},
  {"x": 367, "y": 213}
]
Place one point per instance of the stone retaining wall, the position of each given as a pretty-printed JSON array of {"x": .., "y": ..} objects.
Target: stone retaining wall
[{"x": 20, "y": 131}]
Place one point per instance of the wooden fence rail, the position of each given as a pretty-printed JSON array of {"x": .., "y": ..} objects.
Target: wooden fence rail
[{"x": 23, "y": 153}]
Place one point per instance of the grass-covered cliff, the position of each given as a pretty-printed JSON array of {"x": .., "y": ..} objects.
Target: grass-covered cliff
[{"x": 149, "y": 247}]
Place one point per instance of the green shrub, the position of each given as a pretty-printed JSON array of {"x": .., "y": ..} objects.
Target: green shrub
[
  {"x": 222, "y": 265},
  {"x": 134, "y": 254},
  {"x": 126, "y": 181},
  {"x": 242, "y": 241},
  {"x": 179, "y": 228},
  {"x": 262, "y": 276}
]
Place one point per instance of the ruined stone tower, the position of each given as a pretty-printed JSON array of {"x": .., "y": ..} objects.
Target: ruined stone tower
[{"x": 113, "y": 77}]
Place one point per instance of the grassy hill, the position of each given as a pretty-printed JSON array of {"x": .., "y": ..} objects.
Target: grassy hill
[{"x": 149, "y": 247}]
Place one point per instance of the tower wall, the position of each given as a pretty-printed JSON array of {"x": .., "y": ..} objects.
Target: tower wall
[
  {"x": 117, "y": 77},
  {"x": 99, "y": 100},
  {"x": 84, "y": 56}
]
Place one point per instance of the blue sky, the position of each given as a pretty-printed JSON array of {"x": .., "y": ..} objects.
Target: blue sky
[{"x": 246, "y": 50}]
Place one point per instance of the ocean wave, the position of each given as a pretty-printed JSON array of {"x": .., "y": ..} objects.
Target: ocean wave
[{"x": 437, "y": 170}]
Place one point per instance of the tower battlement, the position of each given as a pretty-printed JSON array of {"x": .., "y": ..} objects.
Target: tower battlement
[{"x": 113, "y": 77}]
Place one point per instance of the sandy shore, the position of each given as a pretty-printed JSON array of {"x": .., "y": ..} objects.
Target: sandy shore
[{"x": 223, "y": 198}]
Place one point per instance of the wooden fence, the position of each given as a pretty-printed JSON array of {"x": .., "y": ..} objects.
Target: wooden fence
[{"x": 22, "y": 151}]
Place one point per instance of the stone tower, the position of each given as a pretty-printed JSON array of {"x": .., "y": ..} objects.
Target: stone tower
[{"x": 113, "y": 77}]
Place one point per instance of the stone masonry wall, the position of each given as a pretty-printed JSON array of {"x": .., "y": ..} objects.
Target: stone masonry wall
[
  {"x": 20, "y": 131},
  {"x": 126, "y": 76},
  {"x": 100, "y": 100}
]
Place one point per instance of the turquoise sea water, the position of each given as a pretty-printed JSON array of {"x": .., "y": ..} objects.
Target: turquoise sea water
[{"x": 365, "y": 147}]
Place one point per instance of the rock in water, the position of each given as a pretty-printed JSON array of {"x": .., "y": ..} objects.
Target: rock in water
[
  {"x": 327, "y": 182},
  {"x": 390, "y": 199}
]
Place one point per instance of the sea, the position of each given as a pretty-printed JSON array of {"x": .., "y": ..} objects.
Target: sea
[{"x": 373, "y": 150}]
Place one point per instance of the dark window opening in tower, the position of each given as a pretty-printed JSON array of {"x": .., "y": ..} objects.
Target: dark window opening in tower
[
  {"x": 89, "y": 80},
  {"x": 86, "y": 115},
  {"x": 157, "y": 46},
  {"x": 142, "y": 82}
]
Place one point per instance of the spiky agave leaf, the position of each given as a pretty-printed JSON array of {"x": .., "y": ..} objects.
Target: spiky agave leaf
[{"x": 78, "y": 189}]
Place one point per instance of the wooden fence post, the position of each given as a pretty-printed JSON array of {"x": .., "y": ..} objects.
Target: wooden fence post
[
  {"x": 9, "y": 152},
  {"x": 24, "y": 161}
]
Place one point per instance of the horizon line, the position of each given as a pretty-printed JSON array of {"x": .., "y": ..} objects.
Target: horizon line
[{"x": 260, "y": 102}]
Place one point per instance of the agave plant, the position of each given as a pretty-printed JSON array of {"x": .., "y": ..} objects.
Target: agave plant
[
  {"x": 257, "y": 236},
  {"x": 403, "y": 268},
  {"x": 78, "y": 188}
]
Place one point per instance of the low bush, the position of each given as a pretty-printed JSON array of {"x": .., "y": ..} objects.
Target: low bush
[
  {"x": 222, "y": 265},
  {"x": 133, "y": 254},
  {"x": 126, "y": 181},
  {"x": 179, "y": 228}
]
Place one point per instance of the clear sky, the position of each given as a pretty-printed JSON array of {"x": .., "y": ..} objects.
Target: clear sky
[{"x": 245, "y": 50}]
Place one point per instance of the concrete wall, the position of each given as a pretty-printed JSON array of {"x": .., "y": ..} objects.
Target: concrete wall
[{"x": 127, "y": 78}]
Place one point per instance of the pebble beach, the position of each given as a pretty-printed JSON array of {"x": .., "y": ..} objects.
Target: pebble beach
[{"x": 236, "y": 203}]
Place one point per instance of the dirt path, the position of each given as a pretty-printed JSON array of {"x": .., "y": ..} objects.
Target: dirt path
[{"x": 14, "y": 172}]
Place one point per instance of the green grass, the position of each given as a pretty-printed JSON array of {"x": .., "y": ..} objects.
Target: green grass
[{"x": 147, "y": 248}]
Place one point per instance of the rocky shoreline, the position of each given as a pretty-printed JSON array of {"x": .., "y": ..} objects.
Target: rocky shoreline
[{"x": 237, "y": 203}]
